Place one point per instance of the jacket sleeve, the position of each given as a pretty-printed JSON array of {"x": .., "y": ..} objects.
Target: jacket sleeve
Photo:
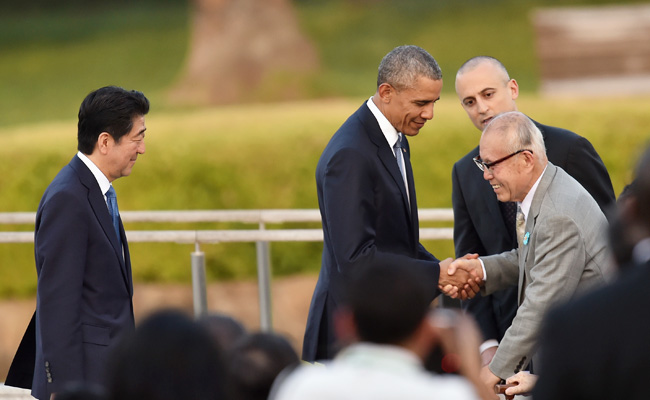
[
  {"x": 60, "y": 245},
  {"x": 351, "y": 214},
  {"x": 466, "y": 240}
]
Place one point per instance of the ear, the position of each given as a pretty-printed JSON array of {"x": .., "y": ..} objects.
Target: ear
[
  {"x": 386, "y": 92},
  {"x": 513, "y": 86},
  {"x": 529, "y": 159},
  {"x": 104, "y": 142}
]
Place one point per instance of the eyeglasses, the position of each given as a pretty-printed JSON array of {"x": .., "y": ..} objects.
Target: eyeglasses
[{"x": 482, "y": 165}]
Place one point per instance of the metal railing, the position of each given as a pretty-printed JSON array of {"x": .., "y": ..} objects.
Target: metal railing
[{"x": 260, "y": 236}]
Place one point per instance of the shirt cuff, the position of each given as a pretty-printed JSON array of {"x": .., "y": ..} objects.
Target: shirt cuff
[
  {"x": 487, "y": 344},
  {"x": 484, "y": 273}
]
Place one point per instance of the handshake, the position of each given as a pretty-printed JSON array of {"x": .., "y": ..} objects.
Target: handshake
[{"x": 461, "y": 278}]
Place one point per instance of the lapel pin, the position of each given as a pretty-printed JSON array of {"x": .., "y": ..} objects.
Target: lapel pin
[{"x": 526, "y": 236}]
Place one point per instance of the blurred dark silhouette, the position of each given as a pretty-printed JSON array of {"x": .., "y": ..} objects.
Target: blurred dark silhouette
[
  {"x": 224, "y": 329},
  {"x": 255, "y": 361},
  {"x": 169, "y": 357}
]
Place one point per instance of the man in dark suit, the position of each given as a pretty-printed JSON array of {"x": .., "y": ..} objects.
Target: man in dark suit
[
  {"x": 597, "y": 347},
  {"x": 366, "y": 191},
  {"x": 84, "y": 295},
  {"x": 485, "y": 226}
]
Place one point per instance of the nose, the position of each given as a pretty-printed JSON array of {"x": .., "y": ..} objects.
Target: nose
[
  {"x": 487, "y": 174},
  {"x": 427, "y": 112},
  {"x": 481, "y": 106},
  {"x": 141, "y": 148}
]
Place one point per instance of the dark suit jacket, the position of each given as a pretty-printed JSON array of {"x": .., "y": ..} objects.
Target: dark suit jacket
[
  {"x": 366, "y": 219},
  {"x": 611, "y": 363},
  {"x": 84, "y": 296},
  {"x": 479, "y": 226}
]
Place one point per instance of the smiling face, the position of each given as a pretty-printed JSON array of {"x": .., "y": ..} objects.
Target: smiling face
[
  {"x": 121, "y": 156},
  {"x": 510, "y": 179},
  {"x": 410, "y": 108},
  {"x": 485, "y": 92}
]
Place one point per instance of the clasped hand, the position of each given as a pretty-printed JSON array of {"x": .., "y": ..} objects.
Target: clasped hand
[{"x": 461, "y": 278}]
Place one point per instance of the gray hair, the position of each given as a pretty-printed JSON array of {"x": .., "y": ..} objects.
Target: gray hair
[
  {"x": 404, "y": 64},
  {"x": 526, "y": 134}
]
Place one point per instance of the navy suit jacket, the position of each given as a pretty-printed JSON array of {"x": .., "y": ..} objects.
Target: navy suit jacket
[
  {"x": 367, "y": 218},
  {"x": 479, "y": 226},
  {"x": 84, "y": 295}
]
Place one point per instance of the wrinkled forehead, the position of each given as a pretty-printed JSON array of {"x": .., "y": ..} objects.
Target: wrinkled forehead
[{"x": 494, "y": 142}]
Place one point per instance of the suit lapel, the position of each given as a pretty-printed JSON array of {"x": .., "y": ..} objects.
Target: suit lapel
[
  {"x": 386, "y": 155},
  {"x": 127, "y": 260},
  {"x": 411, "y": 183},
  {"x": 98, "y": 204},
  {"x": 531, "y": 221}
]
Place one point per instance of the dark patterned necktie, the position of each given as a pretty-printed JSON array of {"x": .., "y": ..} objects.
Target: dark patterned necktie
[{"x": 509, "y": 213}]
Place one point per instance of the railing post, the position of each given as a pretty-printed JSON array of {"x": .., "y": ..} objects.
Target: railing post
[
  {"x": 264, "y": 282},
  {"x": 199, "y": 291}
]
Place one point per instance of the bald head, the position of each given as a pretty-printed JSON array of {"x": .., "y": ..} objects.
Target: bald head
[{"x": 474, "y": 62}]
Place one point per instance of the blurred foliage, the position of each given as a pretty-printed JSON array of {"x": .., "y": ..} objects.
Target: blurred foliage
[
  {"x": 257, "y": 155},
  {"x": 48, "y": 6},
  {"x": 263, "y": 157},
  {"x": 53, "y": 53}
]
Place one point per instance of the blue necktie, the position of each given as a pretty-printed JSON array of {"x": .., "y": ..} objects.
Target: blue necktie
[{"x": 111, "y": 201}]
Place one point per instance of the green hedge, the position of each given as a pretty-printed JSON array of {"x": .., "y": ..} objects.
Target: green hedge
[
  {"x": 257, "y": 155},
  {"x": 264, "y": 156}
]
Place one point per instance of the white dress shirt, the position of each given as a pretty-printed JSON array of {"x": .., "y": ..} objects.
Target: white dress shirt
[
  {"x": 391, "y": 135},
  {"x": 367, "y": 371}
]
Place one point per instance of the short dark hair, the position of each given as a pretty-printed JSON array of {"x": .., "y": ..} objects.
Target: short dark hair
[
  {"x": 168, "y": 357},
  {"x": 223, "y": 328},
  {"x": 388, "y": 302},
  {"x": 109, "y": 109},
  {"x": 255, "y": 361}
]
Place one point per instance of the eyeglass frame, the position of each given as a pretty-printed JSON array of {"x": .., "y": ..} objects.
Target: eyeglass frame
[{"x": 482, "y": 165}]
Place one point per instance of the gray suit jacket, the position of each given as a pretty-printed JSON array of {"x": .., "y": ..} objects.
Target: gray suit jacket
[{"x": 566, "y": 253}]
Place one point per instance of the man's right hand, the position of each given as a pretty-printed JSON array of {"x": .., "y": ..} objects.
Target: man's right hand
[
  {"x": 461, "y": 283},
  {"x": 462, "y": 277}
]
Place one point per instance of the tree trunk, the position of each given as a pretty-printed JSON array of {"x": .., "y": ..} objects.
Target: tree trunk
[{"x": 244, "y": 50}]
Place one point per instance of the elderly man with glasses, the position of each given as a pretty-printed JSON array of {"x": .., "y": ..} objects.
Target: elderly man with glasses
[{"x": 561, "y": 231}]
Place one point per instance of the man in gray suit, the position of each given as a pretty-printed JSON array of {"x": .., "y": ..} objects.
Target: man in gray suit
[{"x": 561, "y": 230}]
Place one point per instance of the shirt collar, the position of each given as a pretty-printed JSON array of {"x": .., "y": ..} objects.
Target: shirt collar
[
  {"x": 101, "y": 179},
  {"x": 528, "y": 200},
  {"x": 389, "y": 131}
]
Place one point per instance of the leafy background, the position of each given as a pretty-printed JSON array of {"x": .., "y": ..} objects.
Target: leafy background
[{"x": 261, "y": 154}]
